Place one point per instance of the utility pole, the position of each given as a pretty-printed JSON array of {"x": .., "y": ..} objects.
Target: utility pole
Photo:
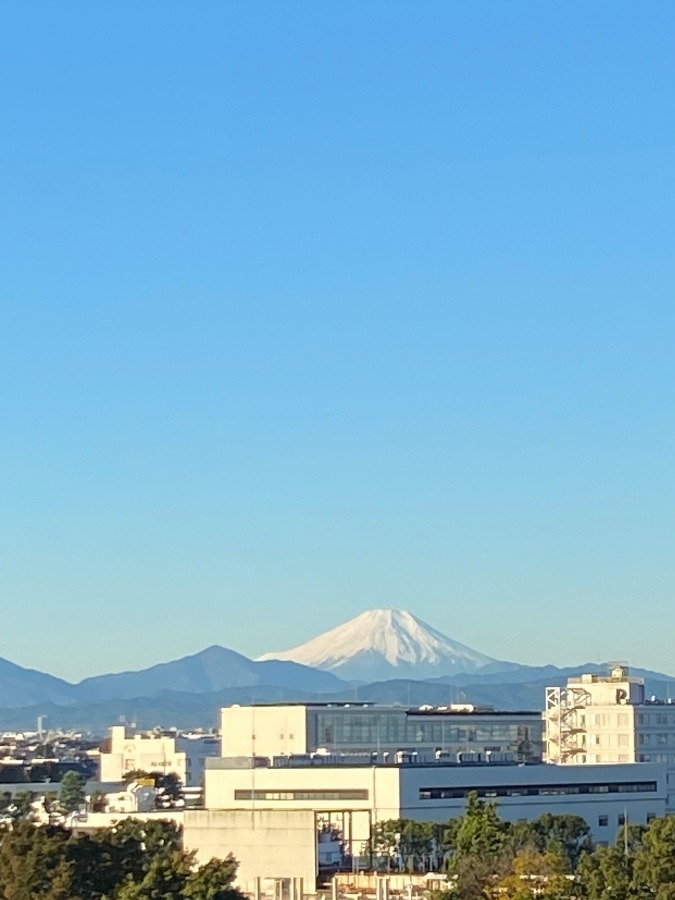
[{"x": 625, "y": 834}]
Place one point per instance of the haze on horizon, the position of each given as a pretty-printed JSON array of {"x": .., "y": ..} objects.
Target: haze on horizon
[{"x": 314, "y": 308}]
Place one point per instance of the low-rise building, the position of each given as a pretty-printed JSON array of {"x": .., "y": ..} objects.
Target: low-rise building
[
  {"x": 338, "y": 770},
  {"x": 136, "y": 797},
  {"x": 603, "y": 795},
  {"x": 599, "y": 719},
  {"x": 182, "y": 755},
  {"x": 344, "y": 728}
]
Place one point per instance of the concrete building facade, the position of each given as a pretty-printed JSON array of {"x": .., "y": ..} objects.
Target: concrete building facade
[
  {"x": 600, "y": 719},
  {"x": 345, "y": 728},
  {"x": 269, "y": 845},
  {"x": 181, "y": 755},
  {"x": 330, "y": 772},
  {"x": 603, "y": 795}
]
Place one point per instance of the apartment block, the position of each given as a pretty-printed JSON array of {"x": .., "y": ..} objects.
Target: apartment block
[{"x": 599, "y": 719}]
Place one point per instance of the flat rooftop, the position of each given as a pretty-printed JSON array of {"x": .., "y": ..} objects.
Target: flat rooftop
[
  {"x": 449, "y": 710},
  {"x": 225, "y": 762}
]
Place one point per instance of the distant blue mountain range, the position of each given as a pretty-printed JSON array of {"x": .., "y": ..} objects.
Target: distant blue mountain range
[
  {"x": 214, "y": 669},
  {"x": 188, "y": 692}
]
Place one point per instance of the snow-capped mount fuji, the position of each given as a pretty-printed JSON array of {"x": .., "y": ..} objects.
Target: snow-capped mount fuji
[{"x": 381, "y": 644}]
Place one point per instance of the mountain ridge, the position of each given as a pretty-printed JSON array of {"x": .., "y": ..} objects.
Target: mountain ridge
[
  {"x": 21, "y": 686},
  {"x": 381, "y": 643},
  {"x": 212, "y": 669},
  {"x": 393, "y": 658},
  {"x": 190, "y": 710}
]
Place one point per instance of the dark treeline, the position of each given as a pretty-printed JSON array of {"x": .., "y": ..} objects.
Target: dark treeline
[
  {"x": 130, "y": 861},
  {"x": 45, "y": 771},
  {"x": 550, "y": 858}
]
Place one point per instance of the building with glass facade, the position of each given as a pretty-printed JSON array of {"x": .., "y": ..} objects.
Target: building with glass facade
[{"x": 271, "y": 730}]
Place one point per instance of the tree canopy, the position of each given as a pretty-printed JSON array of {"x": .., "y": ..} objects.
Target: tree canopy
[
  {"x": 485, "y": 857},
  {"x": 72, "y": 792},
  {"x": 551, "y": 858},
  {"x": 133, "y": 860}
]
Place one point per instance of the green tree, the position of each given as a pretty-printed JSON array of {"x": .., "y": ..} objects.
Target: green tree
[
  {"x": 50, "y": 804},
  {"x": 96, "y": 868},
  {"x": 72, "y": 792},
  {"x": 213, "y": 881},
  {"x": 604, "y": 875},
  {"x": 130, "y": 861},
  {"x": 608, "y": 872},
  {"x": 568, "y": 832},
  {"x": 165, "y": 878},
  {"x": 406, "y": 844},
  {"x": 416, "y": 844},
  {"x": 131, "y": 846},
  {"x": 481, "y": 833},
  {"x": 159, "y": 838},
  {"x": 33, "y": 863},
  {"x": 169, "y": 786},
  {"x": 482, "y": 850},
  {"x": 138, "y": 775},
  {"x": 21, "y": 806},
  {"x": 654, "y": 869},
  {"x": 536, "y": 874},
  {"x": 169, "y": 789},
  {"x": 384, "y": 843}
]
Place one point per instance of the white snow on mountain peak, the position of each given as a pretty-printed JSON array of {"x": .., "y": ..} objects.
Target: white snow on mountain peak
[{"x": 385, "y": 643}]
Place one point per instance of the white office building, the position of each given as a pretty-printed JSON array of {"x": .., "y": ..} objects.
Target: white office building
[
  {"x": 286, "y": 814},
  {"x": 338, "y": 769},
  {"x": 182, "y": 755},
  {"x": 348, "y": 728},
  {"x": 275, "y": 815},
  {"x": 600, "y": 719},
  {"x": 602, "y": 795}
]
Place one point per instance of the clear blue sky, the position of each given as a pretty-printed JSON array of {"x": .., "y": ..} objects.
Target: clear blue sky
[{"x": 311, "y": 307}]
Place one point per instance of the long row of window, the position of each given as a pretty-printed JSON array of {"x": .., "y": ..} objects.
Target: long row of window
[
  {"x": 538, "y": 790},
  {"x": 460, "y": 793},
  {"x": 662, "y": 737},
  {"x": 374, "y": 728},
  {"x": 301, "y": 795},
  {"x": 660, "y": 719}
]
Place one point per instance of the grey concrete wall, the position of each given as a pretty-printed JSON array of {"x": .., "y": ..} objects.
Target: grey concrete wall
[{"x": 267, "y": 843}]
